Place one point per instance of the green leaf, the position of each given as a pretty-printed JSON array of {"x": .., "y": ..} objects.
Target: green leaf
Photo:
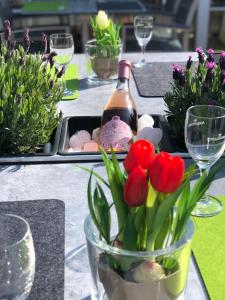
[
  {"x": 90, "y": 203},
  {"x": 95, "y": 174},
  {"x": 102, "y": 212},
  {"x": 130, "y": 233}
]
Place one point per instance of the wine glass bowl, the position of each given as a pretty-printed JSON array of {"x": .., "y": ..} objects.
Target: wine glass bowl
[
  {"x": 63, "y": 45},
  {"x": 17, "y": 258},
  {"x": 205, "y": 141},
  {"x": 143, "y": 28}
]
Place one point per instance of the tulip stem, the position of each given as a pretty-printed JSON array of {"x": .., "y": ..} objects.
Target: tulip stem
[{"x": 151, "y": 206}]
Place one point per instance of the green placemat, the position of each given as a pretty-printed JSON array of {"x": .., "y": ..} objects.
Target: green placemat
[
  {"x": 45, "y": 6},
  {"x": 71, "y": 77},
  {"x": 209, "y": 251}
]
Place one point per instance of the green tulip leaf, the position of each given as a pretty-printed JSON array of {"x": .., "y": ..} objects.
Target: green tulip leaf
[{"x": 102, "y": 212}]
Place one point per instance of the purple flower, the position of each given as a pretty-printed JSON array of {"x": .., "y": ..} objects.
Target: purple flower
[
  {"x": 210, "y": 53},
  {"x": 51, "y": 84},
  {"x": 201, "y": 55},
  {"x": 222, "y": 60},
  {"x": 189, "y": 63},
  {"x": 22, "y": 61},
  {"x": 7, "y": 30},
  {"x": 7, "y": 56},
  {"x": 178, "y": 74},
  {"x": 199, "y": 50},
  {"x": 44, "y": 43},
  {"x": 61, "y": 72},
  {"x": 26, "y": 40},
  {"x": 209, "y": 76},
  {"x": 51, "y": 58},
  {"x": 177, "y": 70},
  {"x": 182, "y": 79},
  {"x": 210, "y": 65}
]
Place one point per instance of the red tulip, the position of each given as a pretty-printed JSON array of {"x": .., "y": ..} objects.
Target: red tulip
[
  {"x": 141, "y": 154},
  {"x": 136, "y": 187},
  {"x": 166, "y": 172}
]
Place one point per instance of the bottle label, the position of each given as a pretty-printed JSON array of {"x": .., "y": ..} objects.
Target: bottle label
[{"x": 115, "y": 133}]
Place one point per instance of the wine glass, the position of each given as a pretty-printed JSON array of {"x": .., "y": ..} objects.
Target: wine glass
[
  {"x": 205, "y": 141},
  {"x": 17, "y": 258},
  {"x": 63, "y": 45},
  {"x": 143, "y": 27}
]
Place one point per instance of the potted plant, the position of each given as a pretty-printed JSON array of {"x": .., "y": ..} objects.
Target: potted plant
[
  {"x": 194, "y": 85},
  {"x": 104, "y": 51},
  {"x": 146, "y": 255},
  {"x": 29, "y": 93}
]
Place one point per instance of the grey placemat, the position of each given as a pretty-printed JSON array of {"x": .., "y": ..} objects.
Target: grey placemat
[
  {"x": 47, "y": 222},
  {"x": 154, "y": 80}
]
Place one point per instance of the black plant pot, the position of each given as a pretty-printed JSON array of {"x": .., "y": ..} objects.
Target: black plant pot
[{"x": 45, "y": 151}]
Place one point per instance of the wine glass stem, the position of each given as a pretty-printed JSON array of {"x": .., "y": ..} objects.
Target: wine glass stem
[
  {"x": 143, "y": 53},
  {"x": 201, "y": 170}
]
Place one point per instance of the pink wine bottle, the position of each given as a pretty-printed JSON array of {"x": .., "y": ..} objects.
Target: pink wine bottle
[{"x": 119, "y": 119}]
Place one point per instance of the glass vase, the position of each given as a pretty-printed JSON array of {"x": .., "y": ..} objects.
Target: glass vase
[
  {"x": 102, "y": 62},
  {"x": 130, "y": 275}
]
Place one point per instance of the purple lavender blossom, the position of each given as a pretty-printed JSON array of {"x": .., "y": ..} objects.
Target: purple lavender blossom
[
  {"x": 44, "y": 43},
  {"x": 51, "y": 58},
  {"x": 22, "y": 61},
  {"x": 7, "y": 56},
  {"x": 201, "y": 55},
  {"x": 222, "y": 60},
  {"x": 209, "y": 76},
  {"x": 189, "y": 63},
  {"x": 177, "y": 70},
  {"x": 178, "y": 74},
  {"x": 51, "y": 85},
  {"x": 182, "y": 79},
  {"x": 210, "y": 65},
  {"x": 210, "y": 55},
  {"x": 7, "y": 30},
  {"x": 61, "y": 72},
  {"x": 26, "y": 40}
]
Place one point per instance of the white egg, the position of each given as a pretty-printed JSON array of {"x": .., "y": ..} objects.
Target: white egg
[
  {"x": 145, "y": 121},
  {"x": 154, "y": 135}
]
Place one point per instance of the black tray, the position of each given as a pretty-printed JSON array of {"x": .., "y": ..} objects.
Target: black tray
[
  {"x": 72, "y": 124},
  {"x": 48, "y": 150}
]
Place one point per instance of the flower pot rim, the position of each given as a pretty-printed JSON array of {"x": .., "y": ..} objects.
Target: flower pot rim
[
  {"x": 92, "y": 43},
  {"x": 93, "y": 238}
]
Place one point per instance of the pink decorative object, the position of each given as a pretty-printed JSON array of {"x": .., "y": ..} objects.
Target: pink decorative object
[
  {"x": 95, "y": 135},
  {"x": 115, "y": 133},
  {"x": 79, "y": 139},
  {"x": 91, "y": 146}
]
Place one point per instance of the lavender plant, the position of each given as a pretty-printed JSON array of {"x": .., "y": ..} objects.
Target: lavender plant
[
  {"x": 203, "y": 84},
  {"x": 29, "y": 92}
]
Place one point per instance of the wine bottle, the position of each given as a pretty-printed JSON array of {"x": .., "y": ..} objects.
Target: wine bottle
[{"x": 119, "y": 119}]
